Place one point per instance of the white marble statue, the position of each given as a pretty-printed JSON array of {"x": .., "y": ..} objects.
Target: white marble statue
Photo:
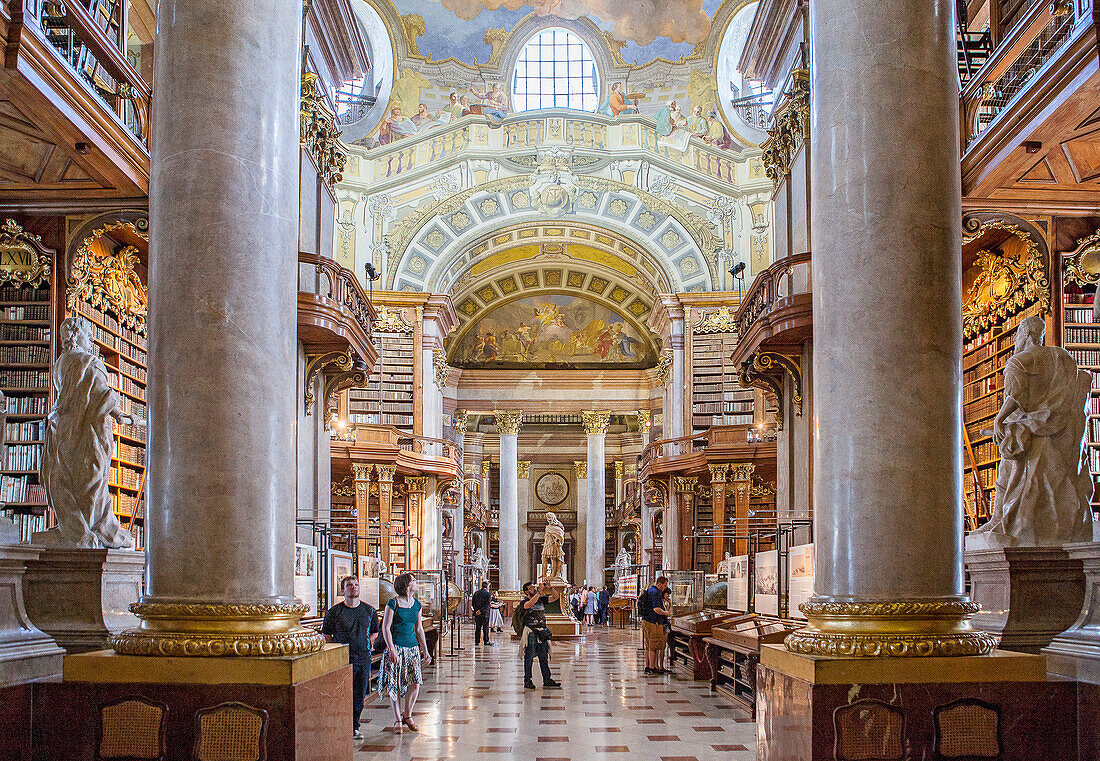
[
  {"x": 622, "y": 560},
  {"x": 374, "y": 567},
  {"x": 76, "y": 460},
  {"x": 480, "y": 566},
  {"x": 553, "y": 550},
  {"x": 725, "y": 565},
  {"x": 1043, "y": 483}
]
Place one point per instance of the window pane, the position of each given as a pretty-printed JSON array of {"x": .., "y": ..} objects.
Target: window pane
[{"x": 555, "y": 69}]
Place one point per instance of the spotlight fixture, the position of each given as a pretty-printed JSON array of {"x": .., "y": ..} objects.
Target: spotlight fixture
[
  {"x": 372, "y": 273},
  {"x": 735, "y": 270}
]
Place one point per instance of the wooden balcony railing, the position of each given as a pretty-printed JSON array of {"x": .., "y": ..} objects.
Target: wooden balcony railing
[
  {"x": 774, "y": 283},
  {"x": 671, "y": 447},
  {"x": 97, "y": 57},
  {"x": 339, "y": 285},
  {"x": 1041, "y": 29},
  {"x": 427, "y": 445}
]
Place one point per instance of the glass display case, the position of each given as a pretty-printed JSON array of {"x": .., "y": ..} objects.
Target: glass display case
[
  {"x": 687, "y": 591},
  {"x": 432, "y": 594}
]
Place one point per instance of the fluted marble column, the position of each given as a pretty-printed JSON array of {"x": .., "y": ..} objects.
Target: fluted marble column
[
  {"x": 595, "y": 426},
  {"x": 223, "y": 204},
  {"x": 508, "y": 424},
  {"x": 458, "y": 541},
  {"x": 887, "y": 332}
]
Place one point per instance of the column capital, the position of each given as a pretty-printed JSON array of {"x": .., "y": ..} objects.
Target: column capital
[
  {"x": 687, "y": 485},
  {"x": 718, "y": 473},
  {"x": 415, "y": 483},
  {"x": 596, "y": 422},
  {"x": 362, "y": 471},
  {"x": 523, "y": 469},
  {"x": 508, "y": 422},
  {"x": 581, "y": 468},
  {"x": 385, "y": 473},
  {"x": 459, "y": 421},
  {"x": 644, "y": 419},
  {"x": 618, "y": 468},
  {"x": 741, "y": 471}
]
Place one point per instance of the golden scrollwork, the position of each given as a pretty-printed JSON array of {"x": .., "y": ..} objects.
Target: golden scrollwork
[
  {"x": 440, "y": 369},
  {"x": 790, "y": 126},
  {"x": 413, "y": 28},
  {"x": 523, "y": 469},
  {"x": 718, "y": 473},
  {"x": 1083, "y": 266},
  {"x": 904, "y": 628},
  {"x": 344, "y": 488},
  {"x": 109, "y": 281},
  {"x": 761, "y": 488},
  {"x": 741, "y": 471},
  {"x": 343, "y": 361},
  {"x": 460, "y": 421},
  {"x": 22, "y": 259},
  {"x": 386, "y": 473},
  {"x": 392, "y": 320},
  {"x": 596, "y": 422},
  {"x": 320, "y": 134},
  {"x": 644, "y": 419},
  {"x": 770, "y": 362},
  {"x": 618, "y": 469},
  {"x": 721, "y": 320},
  {"x": 508, "y": 422},
  {"x": 751, "y": 377},
  {"x": 580, "y": 467},
  {"x": 664, "y": 368},
  {"x": 215, "y": 630},
  {"x": 686, "y": 485},
  {"x": 1005, "y": 284}
]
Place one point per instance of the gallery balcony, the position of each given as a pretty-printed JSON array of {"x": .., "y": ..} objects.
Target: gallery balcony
[
  {"x": 77, "y": 116},
  {"x": 693, "y": 455},
  {"x": 410, "y": 455},
  {"x": 776, "y": 314},
  {"x": 334, "y": 313},
  {"x": 1028, "y": 113}
]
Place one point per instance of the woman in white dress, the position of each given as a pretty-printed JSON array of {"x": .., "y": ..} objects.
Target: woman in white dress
[
  {"x": 590, "y": 606},
  {"x": 496, "y": 621}
]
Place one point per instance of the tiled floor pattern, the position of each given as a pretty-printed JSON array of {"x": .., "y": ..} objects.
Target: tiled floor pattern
[{"x": 473, "y": 708}]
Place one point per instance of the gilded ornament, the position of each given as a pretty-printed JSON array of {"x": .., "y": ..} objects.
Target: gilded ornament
[
  {"x": 741, "y": 471},
  {"x": 461, "y": 420},
  {"x": 342, "y": 361},
  {"x": 392, "y": 320},
  {"x": 21, "y": 260},
  {"x": 618, "y": 469},
  {"x": 508, "y": 422},
  {"x": 646, "y": 220},
  {"x": 664, "y": 368},
  {"x": 362, "y": 471},
  {"x": 685, "y": 485},
  {"x": 644, "y": 419},
  {"x": 413, "y": 28},
  {"x": 580, "y": 468},
  {"x": 109, "y": 281},
  {"x": 718, "y": 473},
  {"x": 485, "y": 465},
  {"x": 320, "y": 134},
  {"x": 489, "y": 206},
  {"x": 435, "y": 239},
  {"x": 761, "y": 488},
  {"x": 1084, "y": 266},
  {"x": 440, "y": 370},
  {"x": 523, "y": 469},
  {"x": 721, "y": 320},
  {"x": 789, "y": 128},
  {"x": 460, "y": 220},
  {"x": 596, "y": 422},
  {"x": 386, "y": 473},
  {"x": 346, "y": 487},
  {"x": 415, "y": 484},
  {"x": 1004, "y": 284}
]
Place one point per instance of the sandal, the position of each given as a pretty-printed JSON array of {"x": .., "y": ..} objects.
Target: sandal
[
  {"x": 410, "y": 724},
  {"x": 397, "y": 728}
]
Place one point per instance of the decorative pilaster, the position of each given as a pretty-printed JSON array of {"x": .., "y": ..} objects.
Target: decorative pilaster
[
  {"x": 718, "y": 509},
  {"x": 385, "y": 507},
  {"x": 678, "y": 518},
  {"x": 508, "y": 425},
  {"x": 458, "y": 542},
  {"x": 362, "y": 474},
  {"x": 739, "y": 483},
  {"x": 415, "y": 487}
]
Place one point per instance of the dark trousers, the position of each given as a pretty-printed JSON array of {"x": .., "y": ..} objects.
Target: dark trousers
[
  {"x": 481, "y": 624},
  {"x": 360, "y": 681},
  {"x": 540, "y": 649}
]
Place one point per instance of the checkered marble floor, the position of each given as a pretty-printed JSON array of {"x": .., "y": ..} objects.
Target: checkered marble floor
[{"x": 473, "y": 707}]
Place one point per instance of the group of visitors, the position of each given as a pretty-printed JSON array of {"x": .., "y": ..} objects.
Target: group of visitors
[{"x": 589, "y": 605}]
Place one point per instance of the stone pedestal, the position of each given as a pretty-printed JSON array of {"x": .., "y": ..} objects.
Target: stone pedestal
[
  {"x": 82, "y": 598},
  {"x": 1075, "y": 653},
  {"x": 812, "y": 708},
  {"x": 560, "y": 623},
  {"x": 1028, "y": 595},
  {"x": 26, "y": 653},
  {"x": 307, "y": 699}
]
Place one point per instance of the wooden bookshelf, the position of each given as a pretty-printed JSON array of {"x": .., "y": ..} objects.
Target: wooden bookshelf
[
  {"x": 390, "y": 403},
  {"x": 717, "y": 396},
  {"x": 396, "y": 532},
  {"x": 1081, "y": 338}
]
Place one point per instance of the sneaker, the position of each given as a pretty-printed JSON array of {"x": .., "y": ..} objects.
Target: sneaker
[
  {"x": 528, "y": 685},
  {"x": 357, "y": 735},
  {"x": 551, "y": 683},
  {"x": 648, "y": 670},
  {"x": 488, "y": 644}
]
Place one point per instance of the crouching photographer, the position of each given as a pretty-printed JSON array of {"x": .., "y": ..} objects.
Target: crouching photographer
[{"x": 534, "y": 636}]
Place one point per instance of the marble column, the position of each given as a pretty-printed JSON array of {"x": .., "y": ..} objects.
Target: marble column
[
  {"x": 595, "y": 426},
  {"x": 223, "y": 202},
  {"x": 580, "y": 470},
  {"x": 459, "y": 524},
  {"x": 508, "y": 424},
  {"x": 886, "y": 247},
  {"x": 523, "y": 499}
]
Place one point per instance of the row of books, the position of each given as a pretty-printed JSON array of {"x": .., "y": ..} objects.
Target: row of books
[
  {"x": 124, "y": 476},
  {"x": 985, "y": 452},
  {"x": 125, "y": 385},
  {"x": 28, "y": 405},
  {"x": 1082, "y": 335},
  {"x": 116, "y": 343},
  {"x": 135, "y": 432},
  {"x": 1089, "y": 357},
  {"x": 25, "y": 355},
  {"x": 12, "y": 332},
  {"x": 35, "y": 312},
  {"x": 24, "y": 378},
  {"x": 28, "y": 523},
  {"x": 1078, "y": 315},
  {"x": 986, "y": 406},
  {"x": 109, "y": 321},
  {"x": 130, "y": 453},
  {"x": 22, "y": 457},
  {"x": 132, "y": 407},
  {"x": 123, "y": 503},
  {"x": 1094, "y": 429},
  {"x": 32, "y": 431},
  {"x": 23, "y": 293},
  {"x": 19, "y": 489},
  {"x": 1094, "y": 405},
  {"x": 986, "y": 367},
  {"x": 132, "y": 368},
  {"x": 1094, "y": 460},
  {"x": 980, "y": 388}
]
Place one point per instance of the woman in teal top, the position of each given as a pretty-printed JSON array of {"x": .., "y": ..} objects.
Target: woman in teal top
[{"x": 406, "y": 652}]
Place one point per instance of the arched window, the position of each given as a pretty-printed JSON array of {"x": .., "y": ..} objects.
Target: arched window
[{"x": 555, "y": 69}]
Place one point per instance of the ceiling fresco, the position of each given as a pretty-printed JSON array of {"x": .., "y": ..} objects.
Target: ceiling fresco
[{"x": 554, "y": 330}]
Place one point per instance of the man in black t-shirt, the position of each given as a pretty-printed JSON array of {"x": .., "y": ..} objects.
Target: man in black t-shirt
[
  {"x": 536, "y": 642},
  {"x": 480, "y": 607},
  {"x": 354, "y": 623}
]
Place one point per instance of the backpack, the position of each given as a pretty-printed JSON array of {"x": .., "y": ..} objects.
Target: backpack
[
  {"x": 519, "y": 617},
  {"x": 644, "y": 608}
]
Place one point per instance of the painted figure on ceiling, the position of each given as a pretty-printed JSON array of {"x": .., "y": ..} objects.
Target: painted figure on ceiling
[
  {"x": 667, "y": 118},
  {"x": 616, "y": 102},
  {"x": 423, "y": 119},
  {"x": 716, "y": 132},
  {"x": 496, "y": 105},
  {"x": 696, "y": 123},
  {"x": 395, "y": 127}
]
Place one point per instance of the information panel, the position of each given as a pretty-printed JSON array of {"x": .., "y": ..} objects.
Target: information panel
[{"x": 766, "y": 583}]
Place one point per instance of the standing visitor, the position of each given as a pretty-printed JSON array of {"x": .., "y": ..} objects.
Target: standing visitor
[
  {"x": 480, "y": 606},
  {"x": 603, "y": 602},
  {"x": 401, "y": 668},
  {"x": 534, "y": 642},
  {"x": 496, "y": 620},
  {"x": 353, "y": 623},
  {"x": 575, "y": 603},
  {"x": 654, "y": 614},
  {"x": 589, "y": 605}
]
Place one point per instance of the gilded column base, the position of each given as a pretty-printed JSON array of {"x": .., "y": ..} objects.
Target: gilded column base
[
  {"x": 890, "y": 629},
  {"x": 209, "y": 629}
]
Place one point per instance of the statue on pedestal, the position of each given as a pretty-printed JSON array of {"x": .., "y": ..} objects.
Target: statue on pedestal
[
  {"x": 622, "y": 560},
  {"x": 553, "y": 550},
  {"x": 725, "y": 565},
  {"x": 76, "y": 460},
  {"x": 1043, "y": 483},
  {"x": 480, "y": 567}
]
